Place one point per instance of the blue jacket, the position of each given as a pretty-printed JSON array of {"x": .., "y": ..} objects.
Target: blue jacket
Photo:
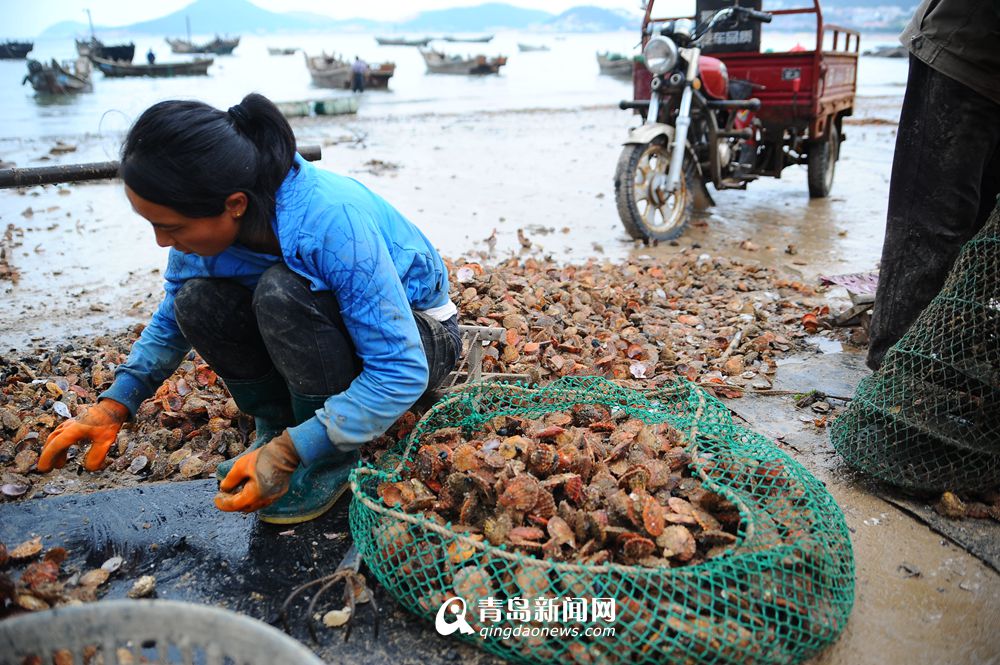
[{"x": 342, "y": 238}]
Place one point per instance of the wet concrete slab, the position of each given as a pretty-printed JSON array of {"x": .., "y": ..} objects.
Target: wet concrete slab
[
  {"x": 927, "y": 588},
  {"x": 199, "y": 554},
  {"x": 978, "y": 537},
  {"x": 836, "y": 375}
]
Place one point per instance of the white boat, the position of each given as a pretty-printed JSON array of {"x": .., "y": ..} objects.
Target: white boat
[
  {"x": 440, "y": 63},
  {"x": 331, "y": 71},
  {"x": 615, "y": 64}
]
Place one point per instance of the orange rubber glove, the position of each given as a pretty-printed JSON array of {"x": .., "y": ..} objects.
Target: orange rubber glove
[
  {"x": 260, "y": 477},
  {"x": 99, "y": 425}
]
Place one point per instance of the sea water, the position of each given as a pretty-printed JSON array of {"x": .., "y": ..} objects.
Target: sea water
[{"x": 566, "y": 76}]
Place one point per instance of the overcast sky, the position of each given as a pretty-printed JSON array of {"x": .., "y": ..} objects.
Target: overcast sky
[{"x": 30, "y": 17}]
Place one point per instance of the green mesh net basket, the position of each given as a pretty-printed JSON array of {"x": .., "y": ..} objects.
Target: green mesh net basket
[
  {"x": 929, "y": 418},
  {"x": 780, "y": 595}
]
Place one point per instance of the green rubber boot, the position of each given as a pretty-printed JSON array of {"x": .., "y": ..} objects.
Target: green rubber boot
[
  {"x": 313, "y": 489},
  {"x": 268, "y": 401}
]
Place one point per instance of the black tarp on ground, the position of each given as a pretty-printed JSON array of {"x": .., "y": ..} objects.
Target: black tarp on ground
[{"x": 199, "y": 554}]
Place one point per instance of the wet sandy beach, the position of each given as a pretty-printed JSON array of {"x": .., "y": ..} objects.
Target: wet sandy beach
[{"x": 88, "y": 263}]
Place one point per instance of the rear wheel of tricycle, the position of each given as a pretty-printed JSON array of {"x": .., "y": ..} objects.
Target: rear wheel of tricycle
[
  {"x": 647, "y": 210},
  {"x": 822, "y": 162}
]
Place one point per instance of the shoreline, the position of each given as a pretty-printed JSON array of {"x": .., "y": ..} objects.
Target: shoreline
[{"x": 85, "y": 258}]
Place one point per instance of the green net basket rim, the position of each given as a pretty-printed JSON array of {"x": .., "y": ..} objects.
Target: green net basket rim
[
  {"x": 680, "y": 386},
  {"x": 733, "y": 557}
]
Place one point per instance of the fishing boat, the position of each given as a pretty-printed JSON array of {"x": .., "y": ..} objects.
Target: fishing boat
[
  {"x": 332, "y": 71},
  {"x": 378, "y": 75},
  {"x": 281, "y": 51},
  {"x": 94, "y": 47},
  {"x": 440, "y": 63},
  {"x": 59, "y": 78},
  {"x": 615, "y": 64},
  {"x": 532, "y": 48},
  {"x": 485, "y": 39},
  {"x": 197, "y": 67},
  {"x": 402, "y": 41},
  {"x": 15, "y": 50},
  {"x": 218, "y": 46}
]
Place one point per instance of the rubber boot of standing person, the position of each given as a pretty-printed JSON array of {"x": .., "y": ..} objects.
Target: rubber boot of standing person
[
  {"x": 324, "y": 310},
  {"x": 946, "y": 168},
  {"x": 359, "y": 70}
]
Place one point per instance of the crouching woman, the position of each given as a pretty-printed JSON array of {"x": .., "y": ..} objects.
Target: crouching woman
[{"x": 323, "y": 309}]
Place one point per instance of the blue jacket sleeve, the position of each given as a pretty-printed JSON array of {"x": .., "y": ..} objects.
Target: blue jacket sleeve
[
  {"x": 353, "y": 259},
  {"x": 155, "y": 355}
]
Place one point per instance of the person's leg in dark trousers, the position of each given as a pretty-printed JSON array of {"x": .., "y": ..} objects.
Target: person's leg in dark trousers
[
  {"x": 283, "y": 329},
  {"x": 216, "y": 317},
  {"x": 307, "y": 339},
  {"x": 945, "y": 179},
  {"x": 293, "y": 341}
]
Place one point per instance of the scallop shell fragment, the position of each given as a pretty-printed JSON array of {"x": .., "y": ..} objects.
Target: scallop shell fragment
[
  {"x": 27, "y": 550},
  {"x": 337, "y": 618},
  {"x": 94, "y": 578},
  {"x": 143, "y": 587},
  {"x": 521, "y": 493},
  {"x": 677, "y": 542}
]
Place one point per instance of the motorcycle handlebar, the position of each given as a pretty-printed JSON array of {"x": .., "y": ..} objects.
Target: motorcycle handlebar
[
  {"x": 754, "y": 15},
  {"x": 722, "y": 14}
]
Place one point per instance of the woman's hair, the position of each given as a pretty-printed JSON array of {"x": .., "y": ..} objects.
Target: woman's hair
[{"x": 190, "y": 157}]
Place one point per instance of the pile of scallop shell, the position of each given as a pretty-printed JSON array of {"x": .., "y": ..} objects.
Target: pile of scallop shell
[
  {"x": 714, "y": 320},
  {"x": 719, "y": 321},
  {"x": 587, "y": 486},
  {"x": 188, "y": 427},
  {"x": 43, "y": 581}
]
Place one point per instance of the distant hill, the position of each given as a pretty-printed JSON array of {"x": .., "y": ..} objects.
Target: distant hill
[
  {"x": 243, "y": 17},
  {"x": 220, "y": 16},
  {"x": 490, "y": 16},
  {"x": 64, "y": 29},
  {"x": 592, "y": 19},
  {"x": 318, "y": 21},
  {"x": 225, "y": 16}
]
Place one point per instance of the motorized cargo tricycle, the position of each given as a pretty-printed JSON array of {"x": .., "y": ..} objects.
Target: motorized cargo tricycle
[{"x": 729, "y": 118}]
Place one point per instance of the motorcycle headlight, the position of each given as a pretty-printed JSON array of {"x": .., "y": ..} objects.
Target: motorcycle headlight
[{"x": 660, "y": 55}]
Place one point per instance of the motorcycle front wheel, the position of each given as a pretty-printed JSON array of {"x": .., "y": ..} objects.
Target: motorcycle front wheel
[{"x": 647, "y": 210}]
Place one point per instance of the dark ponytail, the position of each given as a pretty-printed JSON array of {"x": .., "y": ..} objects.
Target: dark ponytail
[{"x": 190, "y": 157}]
